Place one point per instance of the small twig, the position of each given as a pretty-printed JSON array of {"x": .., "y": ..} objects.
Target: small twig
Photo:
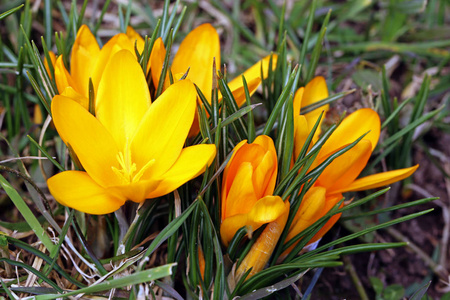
[{"x": 355, "y": 278}]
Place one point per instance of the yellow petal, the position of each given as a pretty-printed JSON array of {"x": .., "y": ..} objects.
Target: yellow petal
[
  {"x": 135, "y": 37},
  {"x": 192, "y": 162},
  {"x": 62, "y": 76},
  {"x": 115, "y": 44},
  {"x": 69, "y": 92},
  {"x": 137, "y": 191},
  {"x": 265, "y": 210},
  {"x": 197, "y": 52},
  {"x": 230, "y": 226},
  {"x": 77, "y": 190},
  {"x": 377, "y": 180},
  {"x": 351, "y": 128},
  {"x": 164, "y": 128},
  {"x": 85, "y": 52},
  {"x": 94, "y": 146},
  {"x": 123, "y": 97},
  {"x": 311, "y": 209},
  {"x": 253, "y": 77},
  {"x": 346, "y": 168}
]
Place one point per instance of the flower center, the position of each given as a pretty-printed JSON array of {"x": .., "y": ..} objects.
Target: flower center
[{"x": 128, "y": 172}]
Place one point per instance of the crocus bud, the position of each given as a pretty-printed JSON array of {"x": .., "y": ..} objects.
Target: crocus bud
[{"x": 248, "y": 183}]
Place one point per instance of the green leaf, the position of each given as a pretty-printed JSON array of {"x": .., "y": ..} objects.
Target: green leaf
[
  {"x": 136, "y": 278},
  {"x": 11, "y": 11},
  {"x": 28, "y": 215}
]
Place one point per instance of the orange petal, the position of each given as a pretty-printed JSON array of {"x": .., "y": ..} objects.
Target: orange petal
[
  {"x": 377, "y": 180},
  {"x": 123, "y": 97},
  {"x": 351, "y": 128},
  {"x": 164, "y": 128},
  {"x": 77, "y": 190},
  {"x": 298, "y": 97},
  {"x": 346, "y": 168},
  {"x": 239, "y": 91},
  {"x": 241, "y": 194},
  {"x": 52, "y": 60},
  {"x": 331, "y": 201},
  {"x": 85, "y": 52},
  {"x": 157, "y": 61},
  {"x": 94, "y": 146},
  {"x": 253, "y": 77},
  {"x": 192, "y": 162},
  {"x": 311, "y": 209},
  {"x": 197, "y": 52},
  {"x": 301, "y": 132}
]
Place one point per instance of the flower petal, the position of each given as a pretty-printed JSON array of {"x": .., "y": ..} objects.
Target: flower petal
[
  {"x": 331, "y": 201},
  {"x": 137, "y": 191},
  {"x": 192, "y": 162},
  {"x": 115, "y": 44},
  {"x": 298, "y": 97},
  {"x": 85, "y": 52},
  {"x": 301, "y": 132},
  {"x": 241, "y": 194},
  {"x": 77, "y": 190},
  {"x": 92, "y": 143},
  {"x": 197, "y": 52},
  {"x": 311, "y": 209},
  {"x": 52, "y": 56},
  {"x": 239, "y": 91},
  {"x": 351, "y": 128},
  {"x": 345, "y": 168},
  {"x": 135, "y": 37},
  {"x": 62, "y": 76},
  {"x": 157, "y": 61},
  {"x": 262, "y": 249},
  {"x": 315, "y": 91},
  {"x": 123, "y": 97},
  {"x": 253, "y": 77},
  {"x": 164, "y": 128},
  {"x": 69, "y": 92},
  {"x": 377, "y": 180},
  {"x": 264, "y": 211}
]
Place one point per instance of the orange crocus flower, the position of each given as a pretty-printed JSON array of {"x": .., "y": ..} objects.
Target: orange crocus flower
[{"x": 342, "y": 174}]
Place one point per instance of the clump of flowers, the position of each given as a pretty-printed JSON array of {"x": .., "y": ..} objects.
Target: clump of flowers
[{"x": 202, "y": 194}]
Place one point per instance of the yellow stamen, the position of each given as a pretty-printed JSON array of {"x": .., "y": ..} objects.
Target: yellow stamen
[{"x": 127, "y": 173}]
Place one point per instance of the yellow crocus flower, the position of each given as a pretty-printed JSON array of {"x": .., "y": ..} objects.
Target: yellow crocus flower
[
  {"x": 88, "y": 61},
  {"x": 197, "y": 52},
  {"x": 132, "y": 149}
]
